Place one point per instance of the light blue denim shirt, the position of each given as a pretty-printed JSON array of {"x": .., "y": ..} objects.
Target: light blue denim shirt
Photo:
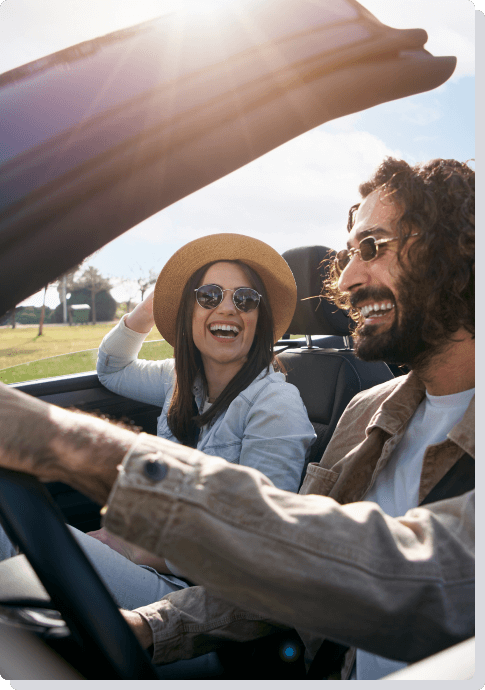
[{"x": 265, "y": 427}]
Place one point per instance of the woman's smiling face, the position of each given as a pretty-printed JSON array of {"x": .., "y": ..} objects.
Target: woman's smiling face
[{"x": 231, "y": 344}]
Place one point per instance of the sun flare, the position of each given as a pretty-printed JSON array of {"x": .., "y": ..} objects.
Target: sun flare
[{"x": 206, "y": 7}]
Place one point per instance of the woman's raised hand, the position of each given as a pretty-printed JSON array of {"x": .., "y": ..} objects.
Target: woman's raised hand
[
  {"x": 147, "y": 303},
  {"x": 141, "y": 318}
]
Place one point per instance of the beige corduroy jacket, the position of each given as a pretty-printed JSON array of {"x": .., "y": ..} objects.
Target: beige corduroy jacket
[{"x": 324, "y": 562}]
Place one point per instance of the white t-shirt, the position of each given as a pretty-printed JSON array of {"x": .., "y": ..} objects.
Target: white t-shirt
[{"x": 396, "y": 488}]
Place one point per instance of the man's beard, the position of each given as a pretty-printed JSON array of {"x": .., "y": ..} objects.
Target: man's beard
[{"x": 402, "y": 341}]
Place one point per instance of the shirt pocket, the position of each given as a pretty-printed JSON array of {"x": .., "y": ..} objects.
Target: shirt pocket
[{"x": 318, "y": 480}]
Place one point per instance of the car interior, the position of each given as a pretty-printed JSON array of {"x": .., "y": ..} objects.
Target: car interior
[
  {"x": 323, "y": 367},
  {"x": 320, "y": 362},
  {"x": 67, "y": 188}
]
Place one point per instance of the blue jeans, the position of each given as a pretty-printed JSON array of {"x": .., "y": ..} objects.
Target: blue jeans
[{"x": 132, "y": 586}]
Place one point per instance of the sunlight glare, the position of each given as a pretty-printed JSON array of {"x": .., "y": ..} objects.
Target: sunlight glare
[{"x": 206, "y": 7}]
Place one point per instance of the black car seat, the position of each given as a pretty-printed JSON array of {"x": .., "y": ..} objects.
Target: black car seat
[{"x": 324, "y": 369}]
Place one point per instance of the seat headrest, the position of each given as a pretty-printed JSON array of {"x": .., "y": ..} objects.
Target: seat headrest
[{"x": 314, "y": 316}]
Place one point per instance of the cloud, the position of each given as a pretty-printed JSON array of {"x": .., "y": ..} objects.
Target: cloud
[
  {"x": 155, "y": 229},
  {"x": 424, "y": 138},
  {"x": 51, "y": 299},
  {"x": 418, "y": 114},
  {"x": 297, "y": 194},
  {"x": 126, "y": 290}
]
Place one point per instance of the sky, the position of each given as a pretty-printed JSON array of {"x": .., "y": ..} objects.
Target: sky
[{"x": 298, "y": 194}]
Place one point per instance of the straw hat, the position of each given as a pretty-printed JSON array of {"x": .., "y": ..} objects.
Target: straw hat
[{"x": 268, "y": 264}]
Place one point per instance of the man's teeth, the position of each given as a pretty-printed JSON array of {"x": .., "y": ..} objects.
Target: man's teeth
[
  {"x": 376, "y": 307},
  {"x": 232, "y": 330}
]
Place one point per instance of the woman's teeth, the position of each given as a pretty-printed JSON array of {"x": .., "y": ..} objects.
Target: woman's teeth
[{"x": 224, "y": 330}]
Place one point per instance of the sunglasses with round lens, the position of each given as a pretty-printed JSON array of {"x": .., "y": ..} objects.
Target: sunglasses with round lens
[
  {"x": 368, "y": 250},
  {"x": 210, "y": 296}
]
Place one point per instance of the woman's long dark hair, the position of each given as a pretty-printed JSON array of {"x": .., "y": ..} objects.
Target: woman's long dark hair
[{"x": 183, "y": 416}]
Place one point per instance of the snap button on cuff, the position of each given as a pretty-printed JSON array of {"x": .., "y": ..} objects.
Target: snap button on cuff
[{"x": 155, "y": 470}]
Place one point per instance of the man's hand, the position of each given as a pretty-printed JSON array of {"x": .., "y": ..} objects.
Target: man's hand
[
  {"x": 60, "y": 445},
  {"x": 139, "y": 626}
]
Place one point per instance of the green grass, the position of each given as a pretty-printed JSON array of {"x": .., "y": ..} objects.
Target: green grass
[
  {"x": 61, "y": 350},
  {"x": 74, "y": 363},
  {"x": 22, "y": 344}
]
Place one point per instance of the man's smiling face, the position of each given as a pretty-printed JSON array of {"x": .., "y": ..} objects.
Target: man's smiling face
[{"x": 379, "y": 288}]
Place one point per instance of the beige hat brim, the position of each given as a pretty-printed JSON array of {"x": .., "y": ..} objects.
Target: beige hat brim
[{"x": 268, "y": 264}]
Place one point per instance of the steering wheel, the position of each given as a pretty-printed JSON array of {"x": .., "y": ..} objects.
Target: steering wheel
[{"x": 34, "y": 522}]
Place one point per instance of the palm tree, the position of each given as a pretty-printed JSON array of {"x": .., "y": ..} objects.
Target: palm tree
[{"x": 94, "y": 282}]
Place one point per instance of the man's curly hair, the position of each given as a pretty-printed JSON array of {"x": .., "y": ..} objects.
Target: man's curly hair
[{"x": 437, "y": 200}]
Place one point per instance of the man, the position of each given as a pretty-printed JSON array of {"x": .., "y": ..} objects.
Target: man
[{"x": 396, "y": 588}]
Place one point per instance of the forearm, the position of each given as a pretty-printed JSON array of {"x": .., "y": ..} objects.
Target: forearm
[
  {"x": 60, "y": 445},
  {"x": 347, "y": 572},
  {"x": 120, "y": 370}
]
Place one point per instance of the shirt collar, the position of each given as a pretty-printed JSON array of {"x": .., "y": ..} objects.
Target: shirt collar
[{"x": 198, "y": 386}]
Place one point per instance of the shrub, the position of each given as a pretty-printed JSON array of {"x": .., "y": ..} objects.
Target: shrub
[{"x": 105, "y": 304}]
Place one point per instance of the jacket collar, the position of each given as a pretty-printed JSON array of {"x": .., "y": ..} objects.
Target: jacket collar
[{"x": 399, "y": 407}]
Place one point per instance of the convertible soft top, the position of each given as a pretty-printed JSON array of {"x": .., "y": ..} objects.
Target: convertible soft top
[{"x": 102, "y": 135}]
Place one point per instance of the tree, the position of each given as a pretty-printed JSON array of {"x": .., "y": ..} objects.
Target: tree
[
  {"x": 105, "y": 305},
  {"x": 144, "y": 282},
  {"x": 65, "y": 284},
  {"x": 42, "y": 313},
  {"x": 9, "y": 316},
  {"x": 139, "y": 284},
  {"x": 94, "y": 282},
  {"x": 90, "y": 288},
  {"x": 132, "y": 295}
]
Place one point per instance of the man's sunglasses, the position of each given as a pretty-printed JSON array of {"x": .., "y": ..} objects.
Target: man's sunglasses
[
  {"x": 368, "y": 250},
  {"x": 210, "y": 296}
]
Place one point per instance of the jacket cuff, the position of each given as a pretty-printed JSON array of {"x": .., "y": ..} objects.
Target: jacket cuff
[
  {"x": 166, "y": 627},
  {"x": 151, "y": 466}
]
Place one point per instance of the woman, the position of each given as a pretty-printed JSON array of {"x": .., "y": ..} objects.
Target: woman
[
  {"x": 221, "y": 301},
  {"x": 220, "y": 392}
]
